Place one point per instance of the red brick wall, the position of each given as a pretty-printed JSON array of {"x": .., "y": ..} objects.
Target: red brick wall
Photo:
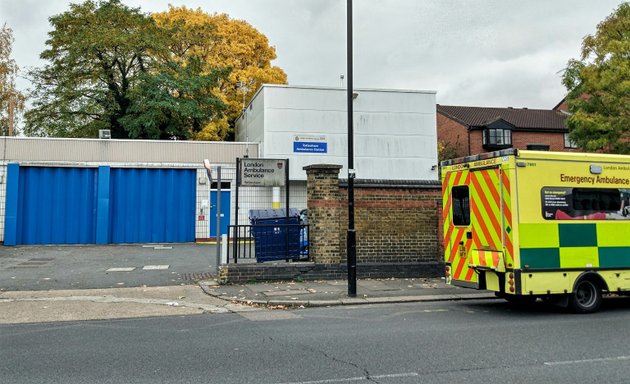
[
  {"x": 451, "y": 132},
  {"x": 476, "y": 141},
  {"x": 394, "y": 224},
  {"x": 554, "y": 140}
]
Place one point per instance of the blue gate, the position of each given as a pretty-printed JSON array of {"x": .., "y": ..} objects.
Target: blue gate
[
  {"x": 152, "y": 205},
  {"x": 51, "y": 205},
  {"x": 63, "y": 205}
]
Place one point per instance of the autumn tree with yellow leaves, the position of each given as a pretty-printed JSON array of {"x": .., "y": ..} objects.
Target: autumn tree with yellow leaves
[{"x": 221, "y": 42}]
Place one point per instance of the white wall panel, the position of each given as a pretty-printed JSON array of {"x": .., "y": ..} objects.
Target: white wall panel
[{"x": 121, "y": 151}]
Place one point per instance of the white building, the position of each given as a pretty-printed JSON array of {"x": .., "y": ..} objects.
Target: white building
[{"x": 394, "y": 130}]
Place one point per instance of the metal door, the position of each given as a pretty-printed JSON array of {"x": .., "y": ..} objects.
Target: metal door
[
  {"x": 458, "y": 239},
  {"x": 225, "y": 212}
]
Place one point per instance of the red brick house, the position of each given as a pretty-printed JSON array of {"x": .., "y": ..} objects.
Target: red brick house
[
  {"x": 562, "y": 106},
  {"x": 467, "y": 131}
]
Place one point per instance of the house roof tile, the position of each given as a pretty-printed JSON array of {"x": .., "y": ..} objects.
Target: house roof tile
[{"x": 520, "y": 118}]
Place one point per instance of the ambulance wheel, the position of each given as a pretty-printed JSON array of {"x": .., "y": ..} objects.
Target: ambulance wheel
[{"x": 586, "y": 297}]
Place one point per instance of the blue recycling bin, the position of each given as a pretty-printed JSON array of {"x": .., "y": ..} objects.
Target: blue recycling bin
[{"x": 276, "y": 236}]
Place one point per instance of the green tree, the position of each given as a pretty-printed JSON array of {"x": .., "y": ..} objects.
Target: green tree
[
  {"x": 173, "y": 103},
  {"x": 11, "y": 100},
  {"x": 110, "y": 68},
  {"x": 598, "y": 87},
  {"x": 96, "y": 52}
]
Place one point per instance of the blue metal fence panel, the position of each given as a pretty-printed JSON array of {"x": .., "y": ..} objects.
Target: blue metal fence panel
[
  {"x": 152, "y": 205},
  {"x": 11, "y": 204},
  {"x": 56, "y": 205},
  {"x": 102, "y": 206}
]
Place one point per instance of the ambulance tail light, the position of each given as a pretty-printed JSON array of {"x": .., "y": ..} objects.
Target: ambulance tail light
[
  {"x": 447, "y": 271},
  {"x": 511, "y": 282}
]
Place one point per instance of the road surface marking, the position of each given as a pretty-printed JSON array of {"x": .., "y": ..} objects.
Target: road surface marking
[
  {"x": 124, "y": 269},
  {"x": 157, "y": 246},
  {"x": 603, "y": 359},
  {"x": 348, "y": 379},
  {"x": 154, "y": 267},
  {"x": 270, "y": 315}
]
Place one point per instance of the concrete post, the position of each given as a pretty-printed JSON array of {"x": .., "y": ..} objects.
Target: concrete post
[{"x": 324, "y": 212}]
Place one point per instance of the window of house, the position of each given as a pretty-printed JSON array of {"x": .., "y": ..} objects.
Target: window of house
[
  {"x": 568, "y": 143},
  {"x": 461, "y": 205},
  {"x": 497, "y": 136}
]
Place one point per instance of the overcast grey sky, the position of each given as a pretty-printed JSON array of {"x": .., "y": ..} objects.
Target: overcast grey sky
[{"x": 472, "y": 52}]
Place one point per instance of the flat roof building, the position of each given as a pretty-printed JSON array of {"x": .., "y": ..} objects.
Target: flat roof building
[{"x": 394, "y": 130}]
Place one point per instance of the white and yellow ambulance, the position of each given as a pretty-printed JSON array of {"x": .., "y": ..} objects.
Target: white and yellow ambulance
[{"x": 529, "y": 224}]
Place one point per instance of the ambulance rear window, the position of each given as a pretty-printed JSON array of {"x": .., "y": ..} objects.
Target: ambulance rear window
[{"x": 461, "y": 205}]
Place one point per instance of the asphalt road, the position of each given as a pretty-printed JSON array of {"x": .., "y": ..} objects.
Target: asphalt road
[{"x": 443, "y": 342}]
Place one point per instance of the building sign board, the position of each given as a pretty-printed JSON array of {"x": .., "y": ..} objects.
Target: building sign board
[
  {"x": 262, "y": 172},
  {"x": 301, "y": 147},
  {"x": 310, "y": 144}
]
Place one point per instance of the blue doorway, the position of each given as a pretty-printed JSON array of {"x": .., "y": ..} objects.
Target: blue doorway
[{"x": 225, "y": 212}]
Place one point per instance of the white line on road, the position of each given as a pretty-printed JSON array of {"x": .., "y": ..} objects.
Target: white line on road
[
  {"x": 124, "y": 269},
  {"x": 599, "y": 360},
  {"x": 348, "y": 379},
  {"x": 154, "y": 267}
]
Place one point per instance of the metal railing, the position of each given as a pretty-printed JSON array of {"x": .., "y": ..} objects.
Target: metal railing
[{"x": 267, "y": 242}]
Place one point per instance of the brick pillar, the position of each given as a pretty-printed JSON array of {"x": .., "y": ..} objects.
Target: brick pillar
[{"x": 324, "y": 212}]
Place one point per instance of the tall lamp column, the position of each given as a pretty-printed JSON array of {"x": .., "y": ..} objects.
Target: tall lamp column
[{"x": 351, "y": 250}]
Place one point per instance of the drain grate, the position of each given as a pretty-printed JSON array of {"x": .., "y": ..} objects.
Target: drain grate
[{"x": 196, "y": 276}]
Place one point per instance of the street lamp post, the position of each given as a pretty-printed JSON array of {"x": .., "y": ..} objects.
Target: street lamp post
[{"x": 351, "y": 247}]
